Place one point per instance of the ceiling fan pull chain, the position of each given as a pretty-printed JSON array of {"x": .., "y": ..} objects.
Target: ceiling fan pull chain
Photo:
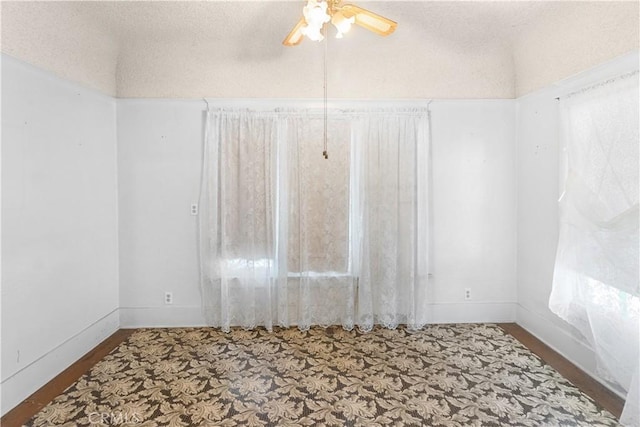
[{"x": 325, "y": 153}]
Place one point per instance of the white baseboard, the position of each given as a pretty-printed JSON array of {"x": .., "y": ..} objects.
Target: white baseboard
[
  {"x": 475, "y": 312},
  {"x": 161, "y": 317},
  {"x": 191, "y": 316},
  {"x": 563, "y": 342},
  {"x": 29, "y": 379}
]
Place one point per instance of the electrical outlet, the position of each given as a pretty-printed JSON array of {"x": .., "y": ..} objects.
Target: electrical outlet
[
  {"x": 168, "y": 298},
  {"x": 467, "y": 293},
  {"x": 194, "y": 209}
]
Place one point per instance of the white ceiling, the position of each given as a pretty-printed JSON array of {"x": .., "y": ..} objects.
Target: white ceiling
[
  {"x": 265, "y": 23},
  {"x": 186, "y": 49}
]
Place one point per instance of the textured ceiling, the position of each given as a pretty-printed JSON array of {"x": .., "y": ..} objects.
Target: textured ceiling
[
  {"x": 268, "y": 22},
  {"x": 184, "y": 49}
]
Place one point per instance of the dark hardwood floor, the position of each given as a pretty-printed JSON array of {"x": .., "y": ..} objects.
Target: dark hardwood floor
[
  {"x": 34, "y": 403},
  {"x": 592, "y": 388},
  {"x": 38, "y": 400}
]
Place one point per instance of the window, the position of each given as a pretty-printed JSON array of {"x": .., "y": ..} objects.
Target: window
[
  {"x": 319, "y": 198},
  {"x": 596, "y": 278}
]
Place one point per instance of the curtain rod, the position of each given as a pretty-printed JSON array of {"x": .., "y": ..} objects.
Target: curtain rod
[
  {"x": 600, "y": 84},
  {"x": 318, "y": 112},
  {"x": 313, "y": 103}
]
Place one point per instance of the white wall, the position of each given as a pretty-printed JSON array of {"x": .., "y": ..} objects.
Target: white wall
[
  {"x": 159, "y": 146},
  {"x": 159, "y": 158},
  {"x": 59, "y": 226},
  {"x": 474, "y": 202},
  {"x": 538, "y": 193}
]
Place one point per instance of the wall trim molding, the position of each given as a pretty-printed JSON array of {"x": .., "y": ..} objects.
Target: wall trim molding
[
  {"x": 54, "y": 76},
  {"x": 191, "y": 316},
  {"x": 161, "y": 317},
  {"x": 270, "y": 104},
  {"x": 473, "y": 312},
  {"x": 606, "y": 70},
  {"x": 21, "y": 384}
]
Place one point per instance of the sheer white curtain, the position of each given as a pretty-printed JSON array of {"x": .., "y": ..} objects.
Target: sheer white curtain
[
  {"x": 316, "y": 221},
  {"x": 392, "y": 163},
  {"x": 238, "y": 207},
  {"x": 596, "y": 282},
  {"x": 289, "y": 238}
]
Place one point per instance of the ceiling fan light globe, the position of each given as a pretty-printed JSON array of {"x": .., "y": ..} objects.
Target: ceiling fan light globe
[
  {"x": 312, "y": 32},
  {"x": 316, "y": 37},
  {"x": 342, "y": 23},
  {"x": 316, "y": 13}
]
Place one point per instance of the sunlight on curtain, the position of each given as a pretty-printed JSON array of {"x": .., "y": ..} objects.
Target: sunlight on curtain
[
  {"x": 392, "y": 187},
  {"x": 596, "y": 280},
  {"x": 237, "y": 211},
  {"x": 288, "y": 238},
  {"x": 321, "y": 286}
]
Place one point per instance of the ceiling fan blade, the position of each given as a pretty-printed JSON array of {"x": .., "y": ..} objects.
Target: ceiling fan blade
[
  {"x": 295, "y": 36},
  {"x": 369, "y": 20}
]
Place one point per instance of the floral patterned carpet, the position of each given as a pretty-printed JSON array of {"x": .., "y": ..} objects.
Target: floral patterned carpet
[{"x": 443, "y": 375}]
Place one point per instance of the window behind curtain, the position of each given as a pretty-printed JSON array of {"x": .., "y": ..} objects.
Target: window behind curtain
[
  {"x": 596, "y": 283},
  {"x": 285, "y": 235},
  {"x": 319, "y": 197}
]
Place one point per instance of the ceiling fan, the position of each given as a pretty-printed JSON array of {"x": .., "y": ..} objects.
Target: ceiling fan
[{"x": 319, "y": 12}]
